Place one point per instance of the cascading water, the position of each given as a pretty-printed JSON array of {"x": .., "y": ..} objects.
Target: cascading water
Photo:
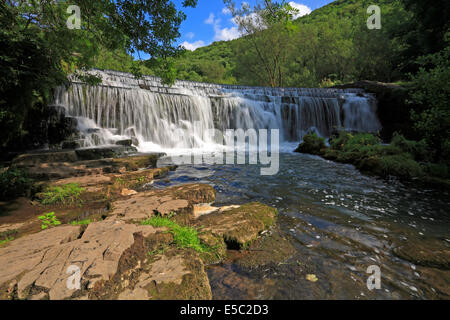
[{"x": 149, "y": 112}]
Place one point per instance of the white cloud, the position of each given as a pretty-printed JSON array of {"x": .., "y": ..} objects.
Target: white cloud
[
  {"x": 210, "y": 19},
  {"x": 226, "y": 34},
  {"x": 190, "y": 35},
  {"x": 302, "y": 9},
  {"x": 193, "y": 45},
  {"x": 226, "y": 11}
]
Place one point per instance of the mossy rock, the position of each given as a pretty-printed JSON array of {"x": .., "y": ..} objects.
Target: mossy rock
[
  {"x": 312, "y": 144},
  {"x": 239, "y": 227},
  {"x": 268, "y": 250},
  {"x": 217, "y": 246},
  {"x": 104, "y": 152},
  {"x": 138, "y": 162}
]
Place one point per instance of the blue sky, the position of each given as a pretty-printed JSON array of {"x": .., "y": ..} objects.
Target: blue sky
[{"x": 209, "y": 22}]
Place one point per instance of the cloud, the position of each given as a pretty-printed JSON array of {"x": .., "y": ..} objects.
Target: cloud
[
  {"x": 190, "y": 35},
  {"x": 193, "y": 45},
  {"x": 302, "y": 9},
  {"x": 220, "y": 33},
  {"x": 210, "y": 19},
  {"x": 226, "y": 11},
  {"x": 230, "y": 33},
  {"x": 226, "y": 34}
]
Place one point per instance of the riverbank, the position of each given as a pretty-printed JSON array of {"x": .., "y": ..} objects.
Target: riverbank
[
  {"x": 404, "y": 159},
  {"x": 104, "y": 221}
]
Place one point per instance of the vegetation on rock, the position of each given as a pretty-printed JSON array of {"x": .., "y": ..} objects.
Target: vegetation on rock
[
  {"x": 14, "y": 183},
  {"x": 65, "y": 194}
]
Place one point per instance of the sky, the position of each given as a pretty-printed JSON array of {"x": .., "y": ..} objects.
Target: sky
[{"x": 209, "y": 21}]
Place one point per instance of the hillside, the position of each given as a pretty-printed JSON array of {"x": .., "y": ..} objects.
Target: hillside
[{"x": 331, "y": 45}]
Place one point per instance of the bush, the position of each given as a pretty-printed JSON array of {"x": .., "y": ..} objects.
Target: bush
[
  {"x": 401, "y": 166},
  {"x": 312, "y": 144},
  {"x": 418, "y": 149},
  {"x": 14, "y": 183}
]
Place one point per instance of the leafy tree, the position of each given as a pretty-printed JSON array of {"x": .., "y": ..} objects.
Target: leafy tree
[
  {"x": 267, "y": 28},
  {"x": 38, "y": 50},
  {"x": 431, "y": 97}
]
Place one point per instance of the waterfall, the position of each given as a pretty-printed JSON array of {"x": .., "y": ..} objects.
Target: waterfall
[{"x": 149, "y": 112}]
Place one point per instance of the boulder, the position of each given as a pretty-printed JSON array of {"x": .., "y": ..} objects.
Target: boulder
[
  {"x": 104, "y": 152},
  {"x": 179, "y": 200},
  {"x": 33, "y": 159},
  {"x": 239, "y": 227},
  {"x": 125, "y": 142}
]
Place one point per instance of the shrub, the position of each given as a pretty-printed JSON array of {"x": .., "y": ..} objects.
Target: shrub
[
  {"x": 418, "y": 149},
  {"x": 14, "y": 183},
  {"x": 312, "y": 144},
  {"x": 401, "y": 166},
  {"x": 49, "y": 220},
  {"x": 66, "y": 194}
]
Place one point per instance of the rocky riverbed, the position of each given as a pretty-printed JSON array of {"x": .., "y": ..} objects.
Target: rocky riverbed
[{"x": 101, "y": 249}]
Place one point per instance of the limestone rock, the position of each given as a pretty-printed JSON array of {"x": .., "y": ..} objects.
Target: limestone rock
[
  {"x": 239, "y": 226},
  {"x": 179, "y": 199}
]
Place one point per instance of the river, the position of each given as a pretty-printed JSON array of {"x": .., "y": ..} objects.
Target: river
[{"x": 341, "y": 222}]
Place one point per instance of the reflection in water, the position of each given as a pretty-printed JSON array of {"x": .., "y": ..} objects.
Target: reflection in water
[{"x": 341, "y": 222}]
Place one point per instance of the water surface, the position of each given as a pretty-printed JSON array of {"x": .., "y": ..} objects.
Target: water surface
[{"x": 340, "y": 221}]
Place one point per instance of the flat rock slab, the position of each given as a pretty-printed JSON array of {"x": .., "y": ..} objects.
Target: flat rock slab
[
  {"x": 428, "y": 253},
  {"x": 42, "y": 262},
  {"x": 173, "y": 275},
  {"x": 179, "y": 200},
  {"x": 239, "y": 226}
]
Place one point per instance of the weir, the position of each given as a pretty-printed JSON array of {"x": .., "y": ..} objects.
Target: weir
[{"x": 149, "y": 112}]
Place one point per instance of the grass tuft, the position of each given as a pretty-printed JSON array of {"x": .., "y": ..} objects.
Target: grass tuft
[{"x": 184, "y": 237}]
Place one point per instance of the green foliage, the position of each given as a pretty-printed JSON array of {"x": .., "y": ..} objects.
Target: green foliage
[
  {"x": 5, "y": 241},
  {"x": 184, "y": 237},
  {"x": 430, "y": 95},
  {"x": 402, "y": 166},
  {"x": 38, "y": 50},
  {"x": 81, "y": 222},
  {"x": 65, "y": 194},
  {"x": 330, "y": 46},
  {"x": 14, "y": 183},
  {"x": 312, "y": 144},
  {"x": 49, "y": 220},
  {"x": 399, "y": 159},
  {"x": 7, "y": 236}
]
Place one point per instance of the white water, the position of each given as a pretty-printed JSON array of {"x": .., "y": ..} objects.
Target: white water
[{"x": 123, "y": 106}]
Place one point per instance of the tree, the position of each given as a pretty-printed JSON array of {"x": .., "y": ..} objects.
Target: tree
[
  {"x": 38, "y": 49},
  {"x": 266, "y": 29},
  {"x": 431, "y": 96}
]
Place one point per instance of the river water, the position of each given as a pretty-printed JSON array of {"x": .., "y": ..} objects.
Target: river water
[{"x": 340, "y": 222}]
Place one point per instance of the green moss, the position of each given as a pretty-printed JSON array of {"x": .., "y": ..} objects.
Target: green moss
[
  {"x": 81, "y": 222},
  {"x": 312, "y": 144},
  {"x": 5, "y": 241},
  {"x": 66, "y": 194}
]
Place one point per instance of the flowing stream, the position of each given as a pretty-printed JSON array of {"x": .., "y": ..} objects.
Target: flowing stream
[{"x": 339, "y": 221}]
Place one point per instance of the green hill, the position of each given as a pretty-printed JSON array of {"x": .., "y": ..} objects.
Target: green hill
[{"x": 331, "y": 45}]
